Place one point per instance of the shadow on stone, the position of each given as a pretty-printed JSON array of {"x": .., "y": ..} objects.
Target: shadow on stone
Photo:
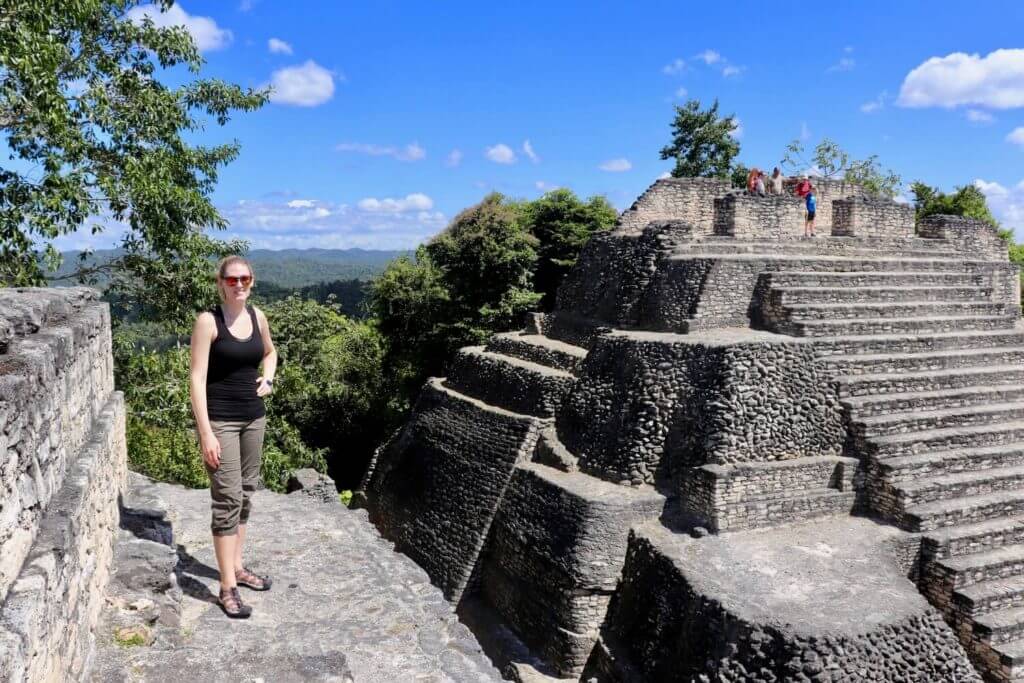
[{"x": 188, "y": 569}]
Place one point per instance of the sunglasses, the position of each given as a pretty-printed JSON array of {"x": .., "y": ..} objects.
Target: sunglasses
[{"x": 232, "y": 280}]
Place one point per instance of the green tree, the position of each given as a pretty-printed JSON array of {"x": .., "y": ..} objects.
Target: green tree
[
  {"x": 562, "y": 224},
  {"x": 831, "y": 161},
  {"x": 331, "y": 385},
  {"x": 966, "y": 200},
  {"x": 95, "y": 136},
  {"x": 702, "y": 143}
]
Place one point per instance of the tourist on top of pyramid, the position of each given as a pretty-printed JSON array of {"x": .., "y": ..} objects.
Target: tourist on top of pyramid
[
  {"x": 759, "y": 184},
  {"x": 752, "y": 180},
  {"x": 812, "y": 205},
  {"x": 229, "y": 343},
  {"x": 803, "y": 187},
  {"x": 775, "y": 182}
]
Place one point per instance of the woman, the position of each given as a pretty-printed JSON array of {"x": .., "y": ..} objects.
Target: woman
[{"x": 228, "y": 344}]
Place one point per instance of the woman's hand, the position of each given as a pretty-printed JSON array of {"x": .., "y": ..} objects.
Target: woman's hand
[
  {"x": 263, "y": 386},
  {"x": 211, "y": 450}
]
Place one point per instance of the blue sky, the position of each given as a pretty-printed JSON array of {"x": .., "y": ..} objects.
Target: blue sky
[{"x": 390, "y": 117}]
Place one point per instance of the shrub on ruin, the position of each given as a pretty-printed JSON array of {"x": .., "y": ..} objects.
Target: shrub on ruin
[{"x": 703, "y": 143}]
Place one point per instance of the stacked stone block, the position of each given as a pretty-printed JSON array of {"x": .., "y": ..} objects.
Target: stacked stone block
[
  {"x": 749, "y": 216},
  {"x": 872, "y": 217},
  {"x": 62, "y": 467},
  {"x": 826, "y": 190},
  {"x": 690, "y": 200}
]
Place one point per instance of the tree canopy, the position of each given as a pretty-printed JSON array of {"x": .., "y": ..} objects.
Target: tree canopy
[
  {"x": 703, "y": 144},
  {"x": 966, "y": 200},
  {"x": 95, "y": 138},
  {"x": 829, "y": 160}
]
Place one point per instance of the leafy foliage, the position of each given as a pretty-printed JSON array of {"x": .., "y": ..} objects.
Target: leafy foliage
[
  {"x": 702, "y": 143},
  {"x": 966, "y": 200},
  {"x": 94, "y": 133},
  {"x": 562, "y": 224},
  {"x": 829, "y": 160}
]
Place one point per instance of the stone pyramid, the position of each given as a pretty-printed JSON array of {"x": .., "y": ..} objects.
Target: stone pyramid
[{"x": 734, "y": 453}]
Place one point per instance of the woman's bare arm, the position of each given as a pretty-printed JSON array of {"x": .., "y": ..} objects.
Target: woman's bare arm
[
  {"x": 269, "y": 353},
  {"x": 203, "y": 334}
]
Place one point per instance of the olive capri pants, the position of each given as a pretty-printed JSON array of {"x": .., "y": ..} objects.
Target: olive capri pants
[{"x": 232, "y": 484}]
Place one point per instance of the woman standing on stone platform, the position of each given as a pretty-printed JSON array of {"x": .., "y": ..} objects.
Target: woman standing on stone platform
[{"x": 229, "y": 343}]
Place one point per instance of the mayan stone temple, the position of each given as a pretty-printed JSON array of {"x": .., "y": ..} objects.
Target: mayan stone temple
[{"x": 736, "y": 454}]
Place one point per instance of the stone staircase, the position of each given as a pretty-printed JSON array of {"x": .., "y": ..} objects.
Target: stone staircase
[{"x": 930, "y": 368}]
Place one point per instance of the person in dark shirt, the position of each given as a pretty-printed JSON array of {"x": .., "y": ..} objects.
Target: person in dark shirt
[{"x": 229, "y": 343}]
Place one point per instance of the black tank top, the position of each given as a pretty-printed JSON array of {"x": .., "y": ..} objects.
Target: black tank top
[{"x": 232, "y": 372}]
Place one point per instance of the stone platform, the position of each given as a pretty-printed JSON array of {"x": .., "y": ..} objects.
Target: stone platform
[
  {"x": 344, "y": 605},
  {"x": 827, "y": 601}
]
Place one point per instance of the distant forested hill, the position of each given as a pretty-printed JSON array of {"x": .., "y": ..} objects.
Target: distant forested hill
[{"x": 287, "y": 268}]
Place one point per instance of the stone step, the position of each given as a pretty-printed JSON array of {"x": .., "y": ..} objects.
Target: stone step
[
  {"x": 979, "y": 436},
  {"x": 961, "y": 485},
  {"x": 810, "y": 248},
  {"x": 809, "y": 295},
  {"x": 895, "y": 279},
  {"x": 779, "y": 261},
  {"x": 1011, "y": 658},
  {"x": 989, "y": 596},
  {"x": 943, "y": 341},
  {"x": 795, "y": 506},
  {"x": 950, "y": 418},
  {"x": 1001, "y": 626},
  {"x": 883, "y": 363},
  {"x": 904, "y": 309},
  {"x": 937, "y": 462},
  {"x": 968, "y": 570},
  {"x": 918, "y": 325},
  {"x": 966, "y": 539},
  {"x": 928, "y": 380},
  {"x": 966, "y": 510},
  {"x": 887, "y": 404},
  {"x": 538, "y": 349},
  {"x": 508, "y": 382}
]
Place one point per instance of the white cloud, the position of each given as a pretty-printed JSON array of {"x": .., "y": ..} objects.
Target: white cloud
[
  {"x": 1016, "y": 136},
  {"x": 737, "y": 128},
  {"x": 204, "y": 30},
  {"x": 709, "y": 57},
  {"x": 301, "y": 203},
  {"x": 664, "y": 175},
  {"x": 306, "y": 85},
  {"x": 730, "y": 70},
  {"x": 844, "y": 64},
  {"x": 676, "y": 66},
  {"x": 528, "y": 151},
  {"x": 1007, "y": 204},
  {"x": 276, "y": 225},
  {"x": 246, "y": 5},
  {"x": 411, "y": 152},
  {"x": 412, "y": 202},
  {"x": 979, "y": 116},
  {"x": 279, "y": 47},
  {"x": 616, "y": 165},
  {"x": 454, "y": 158},
  {"x": 680, "y": 93},
  {"x": 995, "y": 81},
  {"x": 805, "y": 132},
  {"x": 501, "y": 154},
  {"x": 875, "y": 104}
]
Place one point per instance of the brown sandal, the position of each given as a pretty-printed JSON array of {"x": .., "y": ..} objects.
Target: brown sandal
[
  {"x": 244, "y": 577},
  {"x": 231, "y": 602}
]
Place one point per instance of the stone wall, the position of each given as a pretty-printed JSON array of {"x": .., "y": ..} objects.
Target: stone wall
[
  {"x": 969, "y": 234},
  {"x": 671, "y": 621},
  {"x": 62, "y": 467},
  {"x": 690, "y": 200},
  {"x": 641, "y": 396},
  {"x": 872, "y": 217},
  {"x": 436, "y": 486},
  {"x": 825, "y": 192},
  {"x": 749, "y": 216}
]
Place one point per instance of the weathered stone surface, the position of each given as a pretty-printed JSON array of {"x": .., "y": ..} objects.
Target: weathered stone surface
[
  {"x": 62, "y": 469},
  {"x": 344, "y": 606},
  {"x": 316, "y": 485}
]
